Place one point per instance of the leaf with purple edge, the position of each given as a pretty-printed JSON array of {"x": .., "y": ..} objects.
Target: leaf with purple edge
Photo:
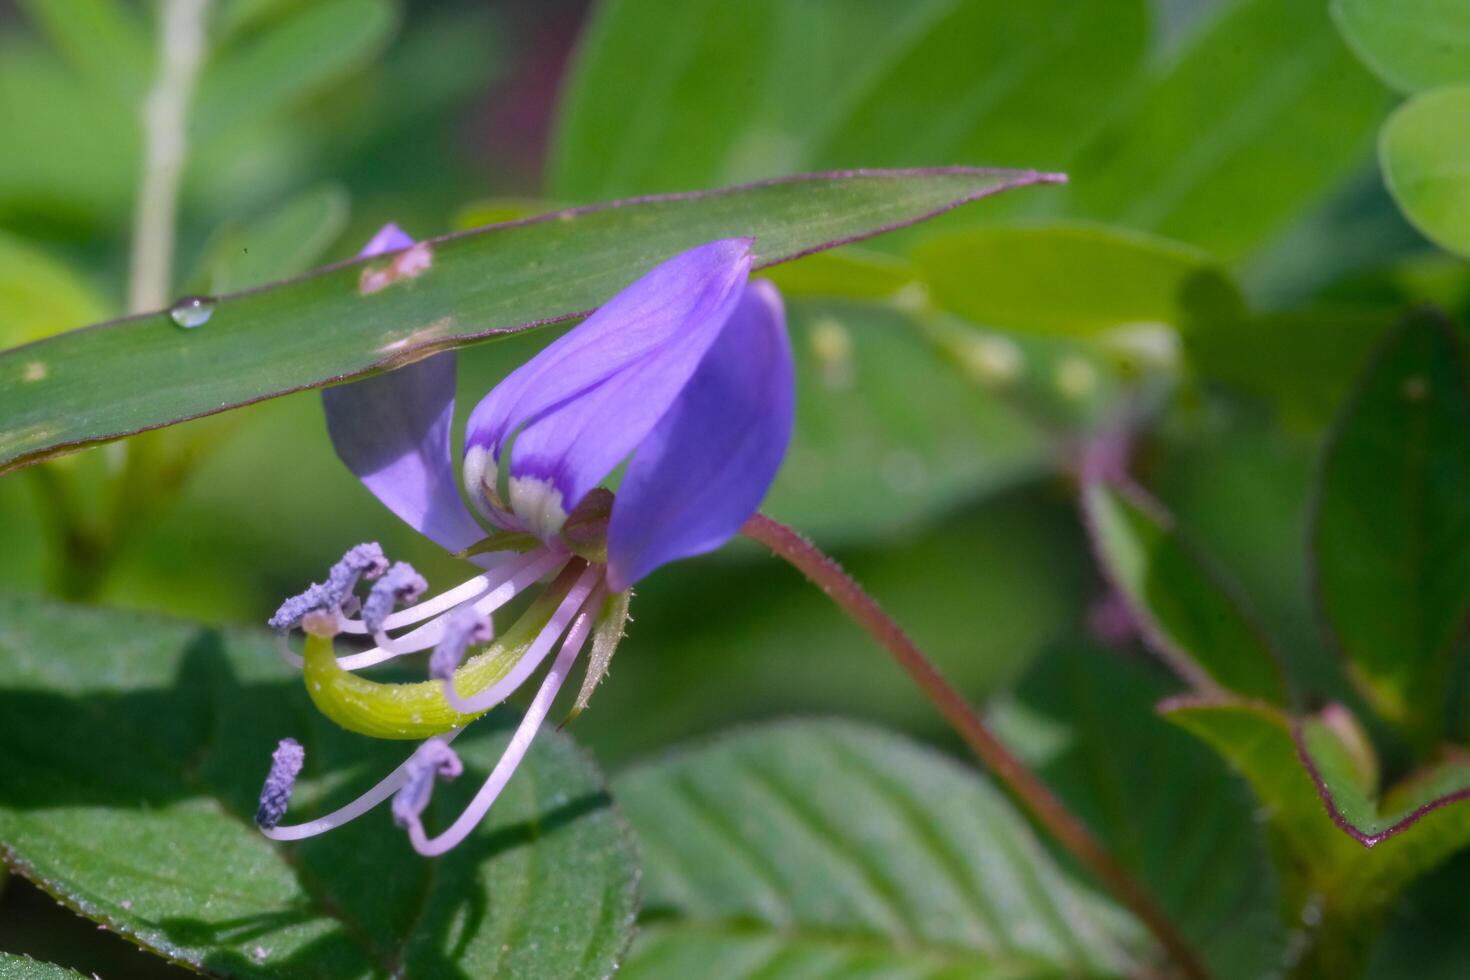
[
  {"x": 1390, "y": 540},
  {"x": 1188, "y": 615},
  {"x": 347, "y": 320},
  {"x": 1354, "y": 849}
]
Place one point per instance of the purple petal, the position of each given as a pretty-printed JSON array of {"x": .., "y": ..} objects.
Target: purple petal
[
  {"x": 588, "y": 399},
  {"x": 707, "y": 465},
  {"x": 390, "y": 238},
  {"x": 392, "y": 430}
]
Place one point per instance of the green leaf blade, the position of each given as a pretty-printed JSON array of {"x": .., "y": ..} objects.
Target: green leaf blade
[
  {"x": 140, "y": 817},
  {"x": 1258, "y": 118},
  {"x": 144, "y": 372},
  {"x": 1410, "y": 44},
  {"x": 1189, "y": 616},
  {"x": 1073, "y": 280},
  {"x": 827, "y": 833},
  {"x": 1391, "y": 530},
  {"x": 14, "y": 967},
  {"x": 1425, "y": 153}
]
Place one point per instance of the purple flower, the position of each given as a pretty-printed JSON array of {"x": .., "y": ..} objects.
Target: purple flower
[{"x": 686, "y": 375}]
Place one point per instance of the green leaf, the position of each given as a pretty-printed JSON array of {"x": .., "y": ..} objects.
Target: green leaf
[
  {"x": 1357, "y": 849},
  {"x": 886, "y": 435},
  {"x": 849, "y": 273},
  {"x": 346, "y": 320},
  {"x": 1074, "y": 280},
  {"x": 1391, "y": 535},
  {"x": 1083, "y": 718},
  {"x": 1302, "y": 362},
  {"x": 823, "y": 845},
  {"x": 845, "y": 83},
  {"x": 284, "y": 242},
  {"x": 316, "y": 45},
  {"x": 135, "y": 750},
  {"x": 1425, "y": 154},
  {"x": 1410, "y": 44},
  {"x": 1259, "y": 117},
  {"x": 103, "y": 40},
  {"x": 24, "y": 968},
  {"x": 1189, "y": 617},
  {"x": 40, "y": 295}
]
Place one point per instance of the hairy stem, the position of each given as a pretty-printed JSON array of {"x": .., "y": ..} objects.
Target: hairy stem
[
  {"x": 1024, "y": 786},
  {"x": 165, "y": 116}
]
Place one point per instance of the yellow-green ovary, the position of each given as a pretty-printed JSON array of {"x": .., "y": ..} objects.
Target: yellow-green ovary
[{"x": 410, "y": 711}]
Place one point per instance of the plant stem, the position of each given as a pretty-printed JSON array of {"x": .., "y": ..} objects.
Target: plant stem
[
  {"x": 165, "y": 116},
  {"x": 1029, "y": 790}
]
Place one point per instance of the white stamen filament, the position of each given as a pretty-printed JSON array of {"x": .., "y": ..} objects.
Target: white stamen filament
[
  {"x": 525, "y": 733},
  {"x": 574, "y": 600},
  {"x": 451, "y": 598},
  {"x": 426, "y": 636},
  {"x": 389, "y": 785}
]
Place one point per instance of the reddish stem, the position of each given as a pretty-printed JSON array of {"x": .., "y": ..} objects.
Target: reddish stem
[{"x": 1024, "y": 785}]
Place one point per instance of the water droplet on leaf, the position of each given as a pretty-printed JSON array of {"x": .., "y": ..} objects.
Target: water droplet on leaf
[{"x": 192, "y": 311}]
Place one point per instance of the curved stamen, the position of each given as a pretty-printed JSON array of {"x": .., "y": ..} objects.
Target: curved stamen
[
  {"x": 385, "y": 788},
  {"x": 275, "y": 795},
  {"x": 399, "y": 584},
  {"x": 468, "y": 589},
  {"x": 520, "y": 742},
  {"x": 429, "y": 634},
  {"x": 497, "y": 692},
  {"x": 433, "y": 760},
  {"x": 463, "y": 629},
  {"x": 419, "y": 709}
]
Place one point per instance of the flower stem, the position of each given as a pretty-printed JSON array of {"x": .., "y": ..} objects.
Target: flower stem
[
  {"x": 165, "y": 115},
  {"x": 1024, "y": 785}
]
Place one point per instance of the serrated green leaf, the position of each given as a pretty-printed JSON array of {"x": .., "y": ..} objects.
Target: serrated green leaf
[
  {"x": 1074, "y": 280},
  {"x": 135, "y": 750},
  {"x": 800, "y": 844},
  {"x": 1391, "y": 535},
  {"x": 1425, "y": 154},
  {"x": 1407, "y": 830},
  {"x": 1189, "y": 617},
  {"x": 24, "y": 968},
  {"x": 1410, "y": 44},
  {"x": 285, "y": 242},
  {"x": 846, "y": 83},
  {"x": 129, "y": 375},
  {"x": 1083, "y": 718},
  {"x": 1258, "y": 117}
]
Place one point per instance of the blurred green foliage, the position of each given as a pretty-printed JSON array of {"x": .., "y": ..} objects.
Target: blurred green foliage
[{"x": 1227, "y": 258}]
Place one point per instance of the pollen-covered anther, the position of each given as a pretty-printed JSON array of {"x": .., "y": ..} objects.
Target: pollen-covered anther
[
  {"x": 275, "y": 795},
  {"x": 433, "y": 760},
  {"x": 463, "y": 628},
  {"x": 362, "y": 561},
  {"x": 400, "y": 585}
]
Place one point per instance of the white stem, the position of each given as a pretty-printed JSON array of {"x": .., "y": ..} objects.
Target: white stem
[
  {"x": 165, "y": 118},
  {"x": 574, "y": 600},
  {"x": 520, "y": 742},
  {"x": 389, "y": 785}
]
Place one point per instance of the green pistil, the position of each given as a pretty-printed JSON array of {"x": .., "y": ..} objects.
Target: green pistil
[{"x": 417, "y": 710}]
